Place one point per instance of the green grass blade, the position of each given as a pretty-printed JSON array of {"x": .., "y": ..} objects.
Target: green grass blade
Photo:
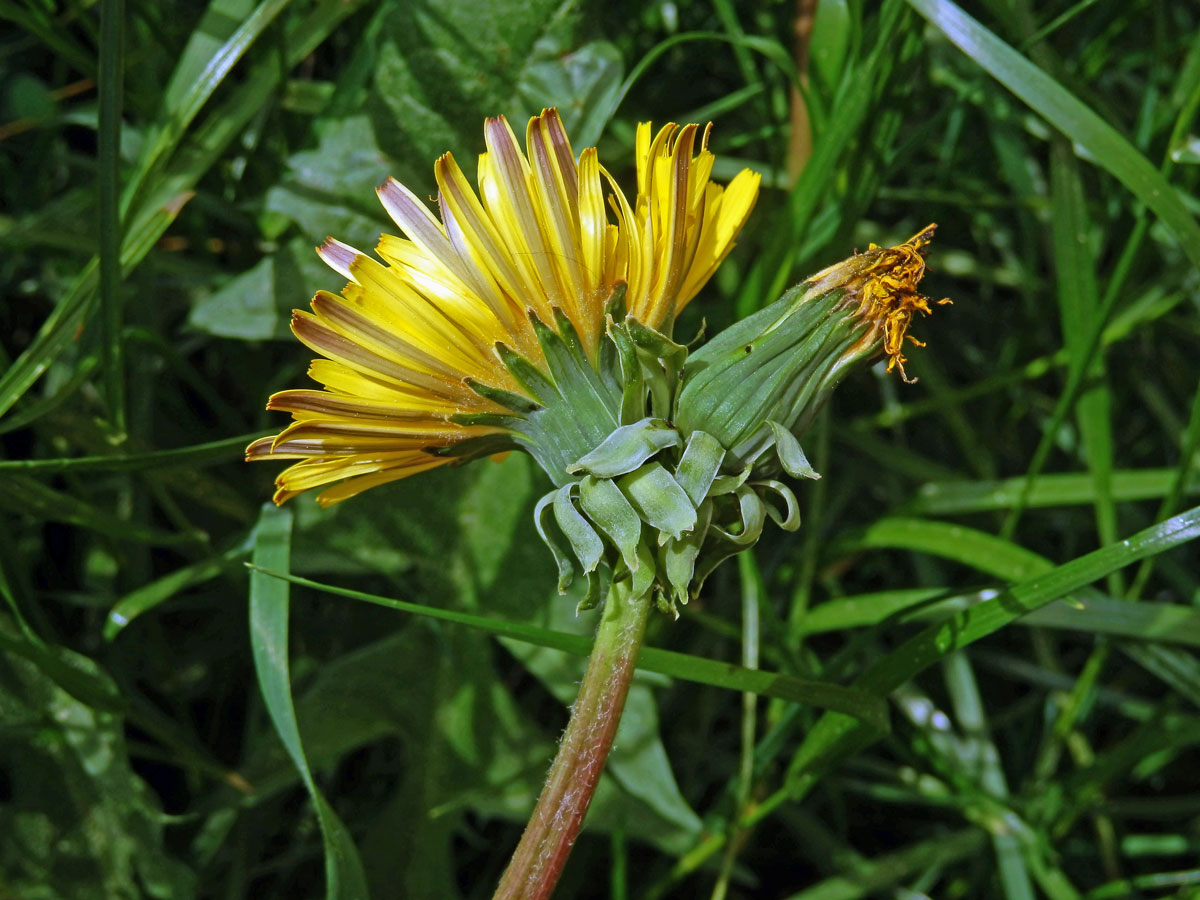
[
  {"x": 194, "y": 82},
  {"x": 111, "y": 82},
  {"x": 980, "y": 757},
  {"x": 160, "y": 207},
  {"x": 269, "y": 607},
  {"x": 1079, "y": 299},
  {"x": 835, "y": 734},
  {"x": 207, "y": 454},
  {"x": 871, "y": 710},
  {"x": 1160, "y": 622},
  {"x": 25, "y": 496},
  {"x": 34, "y": 410},
  {"x": 956, "y": 497},
  {"x": 56, "y": 332},
  {"x": 1171, "y": 623},
  {"x": 881, "y": 876},
  {"x": 770, "y": 274},
  {"x": 149, "y": 596},
  {"x": 1083, "y": 326},
  {"x": 1062, "y": 110},
  {"x": 39, "y": 22},
  {"x": 593, "y": 126},
  {"x": 1190, "y": 446},
  {"x": 973, "y": 548}
]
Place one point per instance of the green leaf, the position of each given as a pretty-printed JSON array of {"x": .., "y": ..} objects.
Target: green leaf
[
  {"x": 269, "y": 606},
  {"x": 789, "y": 520},
  {"x": 244, "y": 307},
  {"x": 752, "y": 513},
  {"x": 1062, "y": 110},
  {"x": 440, "y": 71},
  {"x": 78, "y": 821},
  {"x": 330, "y": 190},
  {"x": 582, "y": 84},
  {"x": 679, "y": 557}
]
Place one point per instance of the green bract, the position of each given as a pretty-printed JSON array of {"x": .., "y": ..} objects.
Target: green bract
[{"x": 664, "y": 461}]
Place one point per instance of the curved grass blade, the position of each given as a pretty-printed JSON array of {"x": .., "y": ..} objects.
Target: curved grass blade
[
  {"x": 836, "y": 735},
  {"x": 25, "y": 496},
  {"x": 193, "y": 83},
  {"x": 148, "y": 596},
  {"x": 209, "y": 453},
  {"x": 111, "y": 84},
  {"x": 1062, "y": 110},
  {"x": 269, "y": 606},
  {"x": 870, "y": 709},
  {"x": 977, "y": 549},
  {"x": 952, "y": 498}
]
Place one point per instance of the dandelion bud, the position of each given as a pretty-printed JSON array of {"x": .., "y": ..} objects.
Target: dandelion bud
[{"x": 759, "y": 383}]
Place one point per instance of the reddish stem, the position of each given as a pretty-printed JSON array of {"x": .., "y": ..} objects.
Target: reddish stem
[{"x": 558, "y": 816}]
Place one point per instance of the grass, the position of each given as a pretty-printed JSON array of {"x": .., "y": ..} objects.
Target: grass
[{"x": 971, "y": 674}]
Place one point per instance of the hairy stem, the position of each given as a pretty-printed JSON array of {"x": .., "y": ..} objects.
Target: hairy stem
[{"x": 558, "y": 816}]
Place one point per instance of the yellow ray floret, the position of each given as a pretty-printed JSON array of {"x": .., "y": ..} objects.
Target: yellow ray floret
[{"x": 547, "y": 231}]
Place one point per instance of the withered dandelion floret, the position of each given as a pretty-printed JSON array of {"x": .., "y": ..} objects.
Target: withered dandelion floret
[
  {"x": 781, "y": 364},
  {"x": 419, "y": 348},
  {"x": 884, "y": 281}
]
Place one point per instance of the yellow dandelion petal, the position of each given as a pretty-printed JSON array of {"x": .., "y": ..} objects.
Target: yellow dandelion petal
[{"x": 429, "y": 355}]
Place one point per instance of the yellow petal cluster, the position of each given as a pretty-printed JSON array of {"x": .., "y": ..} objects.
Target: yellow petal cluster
[{"x": 545, "y": 231}]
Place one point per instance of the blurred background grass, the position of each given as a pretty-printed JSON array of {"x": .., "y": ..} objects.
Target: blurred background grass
[{"x": 166, "y": 169}]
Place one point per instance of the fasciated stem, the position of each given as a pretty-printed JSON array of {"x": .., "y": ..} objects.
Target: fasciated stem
[{"x": 558, "y": 816}]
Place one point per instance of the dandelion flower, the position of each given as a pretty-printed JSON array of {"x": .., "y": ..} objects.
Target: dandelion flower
[{"x": 437, "y": 351}]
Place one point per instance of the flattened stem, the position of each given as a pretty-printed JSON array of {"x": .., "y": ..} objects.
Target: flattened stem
[{"x": 558, "y": 816}]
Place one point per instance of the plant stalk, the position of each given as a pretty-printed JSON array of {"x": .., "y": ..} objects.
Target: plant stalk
[{"x": 539, "y": 858}]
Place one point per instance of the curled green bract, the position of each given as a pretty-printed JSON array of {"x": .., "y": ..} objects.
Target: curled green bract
[
  {"x": 635, "y": 498},
  {"x": 666, "y": 460}
]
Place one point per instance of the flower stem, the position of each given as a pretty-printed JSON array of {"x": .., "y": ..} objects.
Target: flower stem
[{"x": 558, "y": 816}]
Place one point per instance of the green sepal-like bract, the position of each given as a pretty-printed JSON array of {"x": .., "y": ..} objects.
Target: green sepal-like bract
[
  {"x": 659, "y": 500},
  {"x": 605, "y": 505},
  {"x": 789, "y": 520},
  {"x": 791, "y": 456},
  {"x": 588, "y": 547},
  {"x": 562, "y": 555},
  {"x": 626, "y": 448},
  {"x": 647, "y": 489},
  {"x": 699, "y": 466}
]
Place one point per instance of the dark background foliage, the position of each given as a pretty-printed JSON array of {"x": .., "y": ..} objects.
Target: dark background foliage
[{"x": 1057, "y": 412}]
